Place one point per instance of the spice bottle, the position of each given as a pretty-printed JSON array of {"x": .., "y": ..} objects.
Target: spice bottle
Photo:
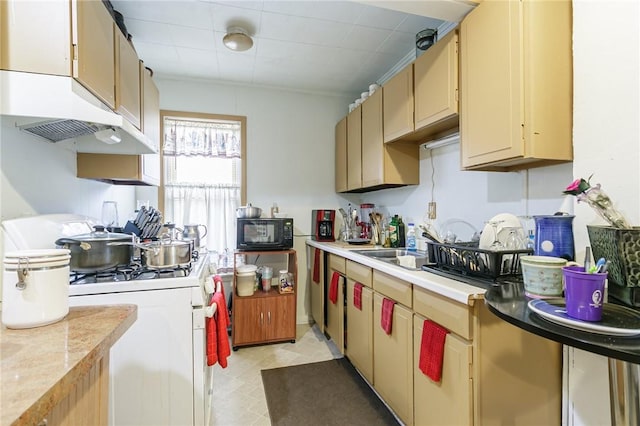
[{"x": 274, "y": 210}]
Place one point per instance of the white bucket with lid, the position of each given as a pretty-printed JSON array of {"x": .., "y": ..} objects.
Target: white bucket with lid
[
  {"x": 35, "y": 287},
  {"x": 246, "y": 280}
]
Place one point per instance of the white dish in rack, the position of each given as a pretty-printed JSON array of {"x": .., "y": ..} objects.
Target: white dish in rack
[{"x": 507, "y": 220}]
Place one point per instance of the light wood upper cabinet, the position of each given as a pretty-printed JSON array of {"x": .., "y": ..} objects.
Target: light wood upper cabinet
[
  {"x": 516, "y": 85},
  {"x": 341, "y": 155},
  {"x": 385, "y": 165},
  {"x": 436, "y": 87},
  {"x": 94, "y": 45},
  {"x": 150, "y": 126},
  {"x": 354, "y": 149},
  {"x": 398, "y": 105},
  {"x": 26, "y": 27},
  {"x": 128, "y": 80}
]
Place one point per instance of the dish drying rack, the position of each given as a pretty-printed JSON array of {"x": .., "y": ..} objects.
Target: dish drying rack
[{"x": 469, "y": 259}]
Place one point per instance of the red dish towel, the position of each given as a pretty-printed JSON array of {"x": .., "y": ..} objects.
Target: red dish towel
[
  {"x": 333, "y": 288},
  {"x": 316, "y": 266},
  {"x": 387, "y": 315},
  {"x": 218, "y": 348},
  {"x": 357, "y": 295},
  {"x": 432, "y": 349}
]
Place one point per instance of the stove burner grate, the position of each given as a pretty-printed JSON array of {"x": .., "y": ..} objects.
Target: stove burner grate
[{"x": 133, "y": 271}]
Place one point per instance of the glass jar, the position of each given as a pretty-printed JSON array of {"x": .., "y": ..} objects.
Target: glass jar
[{"x": 286, "y": 281}]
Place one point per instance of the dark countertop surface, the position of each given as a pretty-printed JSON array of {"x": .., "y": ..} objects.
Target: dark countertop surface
[{"x": 509, "y": 302}]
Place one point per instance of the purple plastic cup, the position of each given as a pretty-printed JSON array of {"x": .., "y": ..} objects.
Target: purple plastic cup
[{"x": 584, "y": 293}]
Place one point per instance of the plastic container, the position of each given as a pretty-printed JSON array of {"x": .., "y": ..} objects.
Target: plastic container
[
  {"x": 267, "y": 276},
  {"x": 411, "y": 237},
  {"x": 35, "y": 287},
  {"x": 246, "y": 280},
  {"x": 584, "y": 293},
  {"x": 286, "y": 281}
]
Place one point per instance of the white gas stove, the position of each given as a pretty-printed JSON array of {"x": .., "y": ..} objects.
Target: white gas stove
[{"x": 158, "y": 371}]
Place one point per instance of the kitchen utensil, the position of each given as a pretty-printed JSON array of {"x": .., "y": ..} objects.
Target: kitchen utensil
[
  {"x": 165, "y": 254},
  {"x": 35, "y": 287},
  {"x": 92, "y": 252},
  {"x": 248, "y": 212},
  {"x": 192, "y": 232}
]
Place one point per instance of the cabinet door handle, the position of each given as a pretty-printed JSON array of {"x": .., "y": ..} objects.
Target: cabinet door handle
[
  {"x": 269, "y": 317},
  {"x": 261, "y": 318}
]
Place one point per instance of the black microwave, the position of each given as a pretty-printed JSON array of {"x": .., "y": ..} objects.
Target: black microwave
[{"x": 265, "y": 234}]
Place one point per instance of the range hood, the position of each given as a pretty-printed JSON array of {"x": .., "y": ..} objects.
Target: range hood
[{"x": 61, "y": 110}]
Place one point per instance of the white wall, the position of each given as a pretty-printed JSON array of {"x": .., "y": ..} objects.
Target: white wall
[
  {"x": 290, "y": 149},
  {"x": 606, "y": 139},
  {"x": 39, "y": 177}
]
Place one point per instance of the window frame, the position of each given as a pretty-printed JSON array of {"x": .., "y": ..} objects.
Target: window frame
[{"x": 204, "y": 116}]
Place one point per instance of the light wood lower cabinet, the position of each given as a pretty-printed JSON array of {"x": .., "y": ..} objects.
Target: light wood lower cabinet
[
  {"x": 393, "y": 359},
  {"x": 334, "y": 327},
  {"x": 448, "y": 402},
  {"x": 360, "y": 331},
  {"x": 87, "y": 403},
  {"x": 317, "y": 288},
  {"x": 264, "y": 317}
]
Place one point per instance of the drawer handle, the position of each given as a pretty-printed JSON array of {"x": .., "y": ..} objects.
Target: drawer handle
[
  {"x": 261, "y": 318},
  {"x": 269, "y": 317}
]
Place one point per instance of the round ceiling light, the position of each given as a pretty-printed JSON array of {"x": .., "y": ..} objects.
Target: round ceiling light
[{"x": 237, "y": 39}]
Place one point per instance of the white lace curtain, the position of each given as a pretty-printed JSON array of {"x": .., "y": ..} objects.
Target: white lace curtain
[{"x": 202, "y": 177}]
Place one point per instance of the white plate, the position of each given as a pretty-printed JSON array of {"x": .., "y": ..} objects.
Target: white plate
[
  {"x": 616, "y": 320},
  {"x": 508, "y": 221}
]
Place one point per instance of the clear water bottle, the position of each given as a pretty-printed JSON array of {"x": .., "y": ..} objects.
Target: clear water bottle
[{"x": 411, "y": 237}]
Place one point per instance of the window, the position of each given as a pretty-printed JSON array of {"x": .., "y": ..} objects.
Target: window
[{"x": 203, "y": 182}]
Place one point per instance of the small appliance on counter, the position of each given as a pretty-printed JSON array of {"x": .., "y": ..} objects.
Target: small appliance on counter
[
  {"x": 322, "y": 225},
  {"x": 264, "y": 234}
]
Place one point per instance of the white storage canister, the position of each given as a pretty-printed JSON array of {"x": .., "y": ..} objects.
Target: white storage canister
[
  {"x": 246, "y": 279},
  {"x": 35, "y": 287}
]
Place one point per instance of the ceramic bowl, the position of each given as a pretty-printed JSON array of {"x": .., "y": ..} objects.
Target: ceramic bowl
[{"x": 542, "y": 276}]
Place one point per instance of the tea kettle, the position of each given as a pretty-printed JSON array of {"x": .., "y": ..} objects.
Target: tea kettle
[{"x": 192, "y": 232}]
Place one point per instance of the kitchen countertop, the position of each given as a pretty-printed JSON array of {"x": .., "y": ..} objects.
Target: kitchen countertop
[
  {"x": 450, "y": 288},
  {"x": 510, "y": 304},
  {"x": 39, "y": 366}
]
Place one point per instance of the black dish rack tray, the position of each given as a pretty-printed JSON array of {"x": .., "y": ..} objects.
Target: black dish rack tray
[{"x": 468, "y": 259}]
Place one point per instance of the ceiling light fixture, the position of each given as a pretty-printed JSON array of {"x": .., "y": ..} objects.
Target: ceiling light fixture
[{"x": 237, "y": 39}]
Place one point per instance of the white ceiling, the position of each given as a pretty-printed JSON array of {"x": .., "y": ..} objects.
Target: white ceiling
[{"x": 320, "y": 46}]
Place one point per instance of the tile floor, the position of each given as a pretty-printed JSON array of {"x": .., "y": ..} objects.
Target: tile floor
[{"x": 238, "y": 394}]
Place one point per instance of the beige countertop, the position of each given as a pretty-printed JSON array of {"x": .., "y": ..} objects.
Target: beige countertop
[
  {"x": 39, "y": 366},
  {"x": 452, "y": 289}
]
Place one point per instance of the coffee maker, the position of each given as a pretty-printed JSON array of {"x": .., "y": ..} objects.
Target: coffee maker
[{"x": 322, "y": 223}]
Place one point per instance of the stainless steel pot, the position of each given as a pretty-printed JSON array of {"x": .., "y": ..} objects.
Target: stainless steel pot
[
  {"x": 167, "y": 254},
  {"x": 95, "y": 252},
  {"x": 248, "y": 212}
]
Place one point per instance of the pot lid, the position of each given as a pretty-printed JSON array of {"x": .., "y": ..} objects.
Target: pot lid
[{"x": 99, "y": 234}]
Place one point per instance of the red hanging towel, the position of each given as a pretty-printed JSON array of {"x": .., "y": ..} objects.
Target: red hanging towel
[
  {"x": 386, "y": 318},
  {"x": 357, "y": 295},
  {"x": 333, "y": 288},
  {"x": 432, "y": 349},
  {"x": 222, "y": 322},
  {"x": 216, "y": 327},
  {"x": 316, "y": 266}
]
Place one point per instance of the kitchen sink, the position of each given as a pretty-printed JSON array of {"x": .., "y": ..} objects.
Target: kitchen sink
[{"x": 391, "y": 256}]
